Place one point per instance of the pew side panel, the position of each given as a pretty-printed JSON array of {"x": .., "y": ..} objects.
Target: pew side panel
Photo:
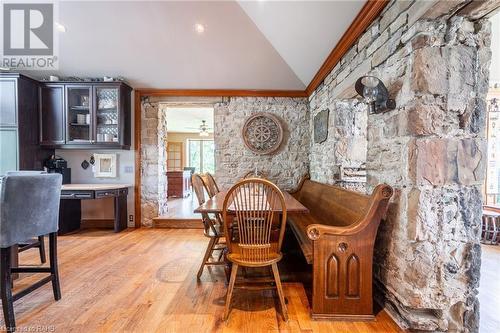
[{"x": 343, "y": 263}]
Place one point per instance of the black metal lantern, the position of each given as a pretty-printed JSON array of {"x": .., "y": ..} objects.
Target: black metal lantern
[{"x": 375, "y": 94}]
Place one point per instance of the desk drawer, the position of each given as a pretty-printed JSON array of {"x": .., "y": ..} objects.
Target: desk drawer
[
  {"x": 77, "y": 195},
  {"x": 106, "y": 194}
]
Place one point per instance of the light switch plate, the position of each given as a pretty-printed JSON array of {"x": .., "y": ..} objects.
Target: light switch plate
[{"x": 129, "y": 169}]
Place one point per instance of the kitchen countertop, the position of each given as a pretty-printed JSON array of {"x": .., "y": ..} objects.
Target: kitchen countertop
[{"x": 95, "y": 187}]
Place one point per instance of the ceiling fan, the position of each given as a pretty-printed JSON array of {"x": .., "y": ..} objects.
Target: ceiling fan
[{"x": 203, "y": 128}]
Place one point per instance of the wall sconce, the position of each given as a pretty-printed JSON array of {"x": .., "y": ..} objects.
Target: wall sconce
[{"x": 375, "y": 94}]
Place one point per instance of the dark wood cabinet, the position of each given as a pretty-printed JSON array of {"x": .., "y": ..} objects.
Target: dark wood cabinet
[
  {"x": 19, "y": 124},
  {"x": 81, "y": 115},
  {"x": 52, "y": 120},
  {"x": 179, "y": 183}
]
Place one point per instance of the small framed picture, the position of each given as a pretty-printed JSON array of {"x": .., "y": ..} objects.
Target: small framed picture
[{"x": 105, "y": 165}]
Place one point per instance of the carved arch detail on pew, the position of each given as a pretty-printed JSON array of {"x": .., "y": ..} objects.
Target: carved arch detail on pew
[
  {"x": 353, "y": 276},
  {"x": 333, "y": 277}
]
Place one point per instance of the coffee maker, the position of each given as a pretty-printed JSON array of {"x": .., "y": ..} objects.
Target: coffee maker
[{"x": 56, "y": 164}]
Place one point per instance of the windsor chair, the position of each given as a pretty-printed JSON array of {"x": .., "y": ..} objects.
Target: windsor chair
[
  {"x": 211, "y": 185},
  {"x": 212, "y": 230},
  {"x": 251, "y": 206}
]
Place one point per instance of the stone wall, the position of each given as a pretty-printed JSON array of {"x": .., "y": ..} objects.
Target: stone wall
[
  {"x": 345, "y": 147},
  {"x": 233, "y": 160},
  {"x": 431, "y": 149},
  {"x": 153, "y": 162}
]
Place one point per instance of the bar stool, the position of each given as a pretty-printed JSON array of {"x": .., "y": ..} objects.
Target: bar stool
[
  {"x": 29, "y": 208},
  {"x": 38, "y": 242}
]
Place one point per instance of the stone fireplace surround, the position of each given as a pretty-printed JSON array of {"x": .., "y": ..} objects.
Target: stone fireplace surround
[{"x": 434, "y": 58}]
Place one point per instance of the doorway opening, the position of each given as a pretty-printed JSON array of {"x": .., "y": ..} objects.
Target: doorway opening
[
  {"x": 190, "y": 149},
  {"x": 489, "y": 287}
]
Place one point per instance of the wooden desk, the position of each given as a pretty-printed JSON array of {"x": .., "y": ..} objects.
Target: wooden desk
[
  {"x": 214, "y": 205},
  {"x": 70, "y": 212}
]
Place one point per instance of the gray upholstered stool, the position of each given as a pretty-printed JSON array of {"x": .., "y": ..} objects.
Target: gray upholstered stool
[
  {"x": 38, "y": 242},
  {"x": 29, "y": 207}
]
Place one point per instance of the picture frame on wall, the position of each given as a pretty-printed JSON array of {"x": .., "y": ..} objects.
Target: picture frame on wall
[
  {"x": 321, "y": 126},
  {"x": 105, "y": 165}
]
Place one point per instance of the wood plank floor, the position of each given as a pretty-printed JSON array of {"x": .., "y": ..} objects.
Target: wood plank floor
[
  {"x": 180, "y": 214},
  {"x": 144, "y": 281},
  {"x": 489, "y": 289}
]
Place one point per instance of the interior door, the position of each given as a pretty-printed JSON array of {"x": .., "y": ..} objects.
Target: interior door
[{"x": 174, "y": 156}]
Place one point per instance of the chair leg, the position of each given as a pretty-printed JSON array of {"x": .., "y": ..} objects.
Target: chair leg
[
  {"x": 6, "y": 289},
  {"x": 220, "y": 255},
  {"x": 210, "y": 246},
  {"x": 280, "y": 291},
  {"x": 53, "y": 265},
  {"x": 41, "y": 249},
  {"x": 232, "y": 280}
]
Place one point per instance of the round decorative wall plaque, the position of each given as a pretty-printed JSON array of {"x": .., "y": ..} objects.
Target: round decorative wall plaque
[{"x": 262, "y": 133}]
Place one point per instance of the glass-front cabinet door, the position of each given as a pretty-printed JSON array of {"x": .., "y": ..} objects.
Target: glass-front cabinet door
[
  {"x": 107, "y": 114},
  {"x": 79, "y": 114}
]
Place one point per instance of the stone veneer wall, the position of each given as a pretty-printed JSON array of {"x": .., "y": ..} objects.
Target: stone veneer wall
[
  {"x": 233, "y": 160},
  {"x": 153, "y": 161},
  {"x": 346, "y": 144},
  {"x": 431, "y": 149}
]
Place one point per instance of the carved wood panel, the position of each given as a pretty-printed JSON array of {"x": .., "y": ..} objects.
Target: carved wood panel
[
  {"x": 332, "y": 280},
  {"x": 352, "y": 276},
  {"x": 262, "y": 133}
]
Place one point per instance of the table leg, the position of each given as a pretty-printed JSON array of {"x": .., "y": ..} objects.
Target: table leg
[
  {"x": 70, "y": 216},
  {"x": 120, "y": 213}
]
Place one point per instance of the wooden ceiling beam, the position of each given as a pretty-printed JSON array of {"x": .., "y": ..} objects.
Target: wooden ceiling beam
[{"x": 221, "y": 92}]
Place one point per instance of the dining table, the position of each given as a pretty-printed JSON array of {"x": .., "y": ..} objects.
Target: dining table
[{"x": 215, "y": 205}]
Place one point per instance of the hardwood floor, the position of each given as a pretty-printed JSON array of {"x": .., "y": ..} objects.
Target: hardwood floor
[
  {"x": 489, "y": 289},
  {"x": 180, "y": 214},
  {"x": 144, "y": 280}
]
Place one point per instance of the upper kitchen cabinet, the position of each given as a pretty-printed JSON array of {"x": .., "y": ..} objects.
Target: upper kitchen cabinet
[
  {"x": 80, "y": 115},
  {"x": 19, "y": 124},
  {"x": 52, "y": 120}
]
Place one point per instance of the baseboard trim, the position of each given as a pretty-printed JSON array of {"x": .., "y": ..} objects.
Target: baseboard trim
[
  {"x": 161, "y": 222},
  {"x": 97, "y": 223},
  {"x": 342, "y": 317}
]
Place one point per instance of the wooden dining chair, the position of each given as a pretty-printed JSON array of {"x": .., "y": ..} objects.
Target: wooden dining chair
[
  {"x": 252, "y": 205},
  {"x": 211, "y": 185},
  {"x": 212, "y": 229},
  {"x": 256, "y": 174}
]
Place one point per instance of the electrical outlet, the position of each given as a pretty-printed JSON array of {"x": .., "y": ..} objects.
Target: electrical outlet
[
  {"x": 131, "y": 218},
  {"x": 129, "y": 169}
]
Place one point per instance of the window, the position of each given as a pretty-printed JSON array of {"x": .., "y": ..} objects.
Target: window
[{"x": 201, "y": 155}]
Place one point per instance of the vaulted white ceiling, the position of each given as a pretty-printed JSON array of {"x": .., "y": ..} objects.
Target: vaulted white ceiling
[
  {"x": 245, "y": 45},
  {"x": 303, "y": 32}
]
